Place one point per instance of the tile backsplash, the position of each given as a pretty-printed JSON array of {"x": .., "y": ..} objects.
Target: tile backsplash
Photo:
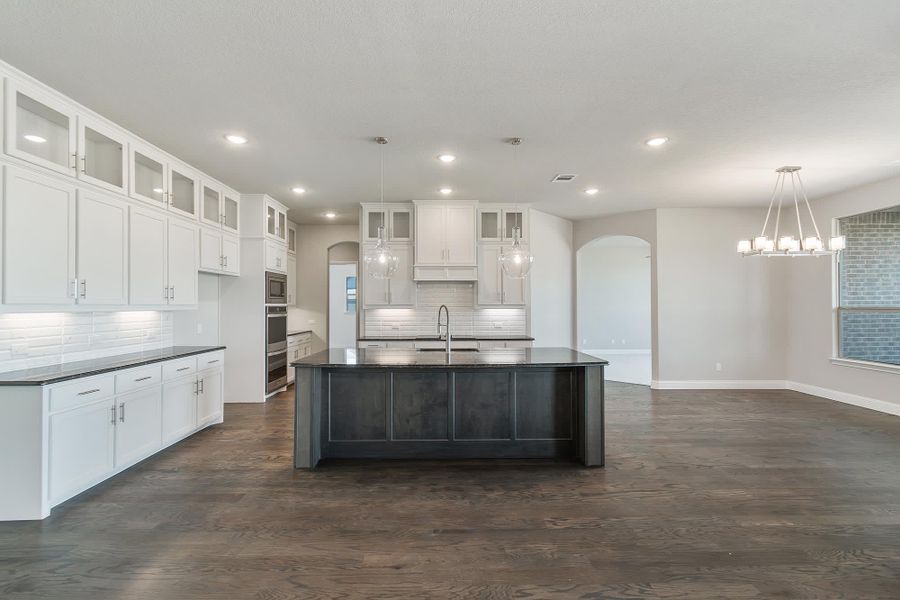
[
  {"x": 29, "y": 340},
  {"x": 465, "y": 318}
]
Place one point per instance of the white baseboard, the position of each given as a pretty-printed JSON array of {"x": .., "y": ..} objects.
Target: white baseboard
[{"x": 890, "y": 408}]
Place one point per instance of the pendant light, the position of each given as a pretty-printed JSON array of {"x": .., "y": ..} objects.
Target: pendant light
[
  {"x": 788, "y": 245},
  {"x": 380, "y": 261},
  {"x": 516, "y": 262}
]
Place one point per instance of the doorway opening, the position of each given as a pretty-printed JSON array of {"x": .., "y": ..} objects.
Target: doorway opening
[
  {"x": 343, "y": 295},
  {"x": 613, "y": 306}
]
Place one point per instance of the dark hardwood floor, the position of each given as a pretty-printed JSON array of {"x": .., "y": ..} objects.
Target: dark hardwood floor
[{"x": 714, "y": 494}]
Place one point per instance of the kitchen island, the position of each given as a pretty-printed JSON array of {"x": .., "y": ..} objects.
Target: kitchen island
[{"x": 378, "y": 403}]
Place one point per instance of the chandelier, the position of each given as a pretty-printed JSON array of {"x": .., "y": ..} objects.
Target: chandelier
[
  {"x": 516, "y": 262},
  {"x": 381, "y": 262},
  {"x": 782, "y": 244}
]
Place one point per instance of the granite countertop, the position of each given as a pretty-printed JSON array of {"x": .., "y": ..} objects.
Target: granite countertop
[
  {"x": 97, "y": 366},
  {"x": 298, "y": 332},
  {"x": 434, "y": 338},
  {"x": 389, "y": 358}
]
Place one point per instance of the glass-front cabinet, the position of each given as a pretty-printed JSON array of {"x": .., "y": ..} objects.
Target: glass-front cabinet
[
  {"x": 397, "y": 220},
  {"x": 211, "y": 204},
  {"x": 231, "y": 210},
  {"x": 40, "y": 128},
  {"x": 182, "y": 190},
  {"x": 276, "y": 221},
  {"x": 497, "y": 223},
  {"x": 400, "y": 224},
  {"x": 291, "y": 238},
  {"x": 148, "y": 175},
  {"x": 102, "y": 155}
]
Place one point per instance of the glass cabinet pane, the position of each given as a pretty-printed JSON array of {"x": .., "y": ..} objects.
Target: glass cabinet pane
[
  {"x": 182, "y": 193},
  {"x": 375, "y": 220},
  {"x": 230, "y": 213},
  {"x": 292, "y": 239},
  {"x": 282, "y": 225},
  {"x": 102, "y": 158},
  {"x": 271, "y": 216},
  {"x": 490, "y": 225},
  {"x": 42, "y": 131},
  {"x": 400, "y": 226},
  {"x": 513, "y": 220},
  {"x": 210, "y": 205},
  {"x": 148, "y": 177}
]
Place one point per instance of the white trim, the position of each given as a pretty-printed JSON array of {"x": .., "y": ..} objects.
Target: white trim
[
  {"x": 865, "y": 364},
  {"x": 595, "y": 352},
  {"x": 890, "y": 408},
  {"x": 719, "y": 384}
]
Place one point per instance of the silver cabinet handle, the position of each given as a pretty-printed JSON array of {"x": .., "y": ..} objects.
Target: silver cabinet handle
[
  {"x": 172, "y": 293},
  {"x": 88, "y": 392},
  {"x": 84, "y": 288},
  {"x": 212, "y": 361},
  {"x": 222, "y": 261},
  {"x": 83, "y": 164},
  {"x": 112, "y": 418},
  {"x": 226, "y": 261},
  {"x": 73, "y": 288},
  {"x": 201, "y": 386},
  {"x": 144, "y": 378},
  {"x": 196, "y": 387},
  {"x": 74, "y": 164},
  {"x": 166, "y": 293},
  {"x": 122, "y": 411},
  {"x": 182, "y": 369}
]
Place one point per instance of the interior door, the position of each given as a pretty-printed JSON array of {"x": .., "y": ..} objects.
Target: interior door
[
  {"x": 211, "y": 256},
  {"x": 81, "y": 448},
  {"x": 39, "y": 128},
  {"x": 102, "y": 155},
  {"x": 147, "y": 252},
  {"x": 179, "y": 409},
  {"x": 38, "y": 239},
  {"x": 460, "y": 235},
  {"x": 209, "y": 400},
  {"x": 490, "y": 291},
  {"x": 183, "y": 262},
  {"x": 139, "y": 425},
  {"x": 430, "y": 235},
  {"x": 102, "y": 242}
]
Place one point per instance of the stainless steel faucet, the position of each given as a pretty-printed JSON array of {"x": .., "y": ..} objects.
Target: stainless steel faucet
[{"x": 446, "y": 325}]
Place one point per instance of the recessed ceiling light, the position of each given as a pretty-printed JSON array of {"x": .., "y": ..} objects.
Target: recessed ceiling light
[
  {"x": 34, "y": 138},
  {"x": 298, "y": 190},
  {"x": 657, "y": 141},
  {"x": 157, "y": 190},
  {"x": 447, "y": 158},
  {"x": 591, "y": 191},
  {"x": 329, "y": 215},
  {"x": 236, "y": 139},
  {"x": 446, "y": 191}
]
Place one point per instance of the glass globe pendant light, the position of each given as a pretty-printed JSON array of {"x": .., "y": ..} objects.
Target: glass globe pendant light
[
  {"x": 516, "y": 262},
  {"x": 381, "y": 262}
]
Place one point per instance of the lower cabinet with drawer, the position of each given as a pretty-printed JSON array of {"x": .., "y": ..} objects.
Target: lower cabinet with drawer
[{"x": 95, "y": 427}]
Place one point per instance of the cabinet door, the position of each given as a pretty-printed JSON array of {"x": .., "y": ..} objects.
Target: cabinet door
[
  {"x": 282, "y": 225},
  {"x": 514, "y": 218},
  {"x": 401, "y": 224},
  {"x": 291, "y": 279},
  {"x": 209, "y": 400},
  {"x": 39, "y": 128},
  {"x": 460, "y": 235},
  {"x": 276, "y": 257},
  {"x": 231, "y": 210},
  {"x": 102, "y": 155},
  {"x": 231, "y": 255},
  {"x": 38, "y": 239},
  {"x": 182, "y": 191},
  {"x": 490, "y": 290},
  {"x": 211, "y": 204},
  {"x": 489, "y": 225},
  {"x": 513, "y": 289},
  {"x": 291, "y": 238},
  {"x": 147, "y": 175},
  {"x": 147, "y": 257},
  {"x": 271, "y": 220},
  {"x": 373, "y": 219},
  {"x": 183, "y": 262},
  {"x": 375, "y": 292},
  {"x": 81, "y": 448},
  {"x": 102, "y": 242},
  {"x": 402, "y": 286},
  {"x": 211, "y": 256},
  {"x": 179, "y": 409},
  {"x": 430, "y": 235},
  {"x": 139, "y": 425}
]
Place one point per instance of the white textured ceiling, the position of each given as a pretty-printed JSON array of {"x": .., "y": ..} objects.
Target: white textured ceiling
[{"x": 741, "y": 87}]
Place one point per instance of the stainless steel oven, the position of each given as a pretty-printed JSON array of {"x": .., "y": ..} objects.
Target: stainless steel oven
[
  {"x": 276, "y": 288},
  {"x": 276, "y": 371},
  {"x": 276, "y": 329}
]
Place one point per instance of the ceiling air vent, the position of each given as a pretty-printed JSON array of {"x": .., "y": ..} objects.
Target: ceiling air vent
[{"x": 564, "y": 177}]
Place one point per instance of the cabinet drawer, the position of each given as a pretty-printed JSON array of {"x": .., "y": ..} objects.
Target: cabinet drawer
[
  {"x": 211, "y": 360},
  {"x": 134, "y": 379},
  {"x": 179, "y": 368},
  {"x": 81, "y": 391},
  {"x": 372, "y": 344}
]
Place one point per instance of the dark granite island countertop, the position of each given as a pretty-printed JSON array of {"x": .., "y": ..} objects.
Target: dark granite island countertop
[
  {"x": 97, "y": 366},
  {"x": 378, "y": 403},
  {"x": 405, "y": 358}
]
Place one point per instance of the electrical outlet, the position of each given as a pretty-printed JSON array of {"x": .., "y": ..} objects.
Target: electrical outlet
[
  {"x": 199, "y": 328},
  {"x": 498, "y": 325},
  {"x": 718, "y": 366},
  {"x": 612, "y": 341},
  {"x": 623, "y": 342}
]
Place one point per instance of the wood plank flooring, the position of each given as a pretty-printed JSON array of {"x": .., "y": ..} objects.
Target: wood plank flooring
[{"x": 713, "y": 494}]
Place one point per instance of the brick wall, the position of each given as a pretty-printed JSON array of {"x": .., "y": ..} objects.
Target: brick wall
[{"x": 870, "y": 277}]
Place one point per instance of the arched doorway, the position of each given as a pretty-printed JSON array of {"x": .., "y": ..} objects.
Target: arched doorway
[
  {"x": 343, "y": 319},
  {"x": 614, "y": 305}
]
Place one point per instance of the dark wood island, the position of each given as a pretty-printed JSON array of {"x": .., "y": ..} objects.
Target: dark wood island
[{"x": 405, "y": 404}]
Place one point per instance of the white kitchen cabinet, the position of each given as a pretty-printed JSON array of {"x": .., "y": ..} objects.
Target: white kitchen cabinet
[
  {"x": 40, "y": 128},
  {"x": 291, "y": 238},
  {"x": 183, "y": 190},
  {"x": 138, "y": 427},
  {"x": 147, "y": 257},
  {"x": 400, "y": 222},
  {"x": 209, "y": 397},
  {"x": 494, "y": 286},
  {"x": 397, "y": 219},
  {"x": 182, "y": 262},
  {"x": 459, "y": 235},
  {"x": 102, "y": 155},
  {"x": 81, "y": 448},
  {"x": 219, "y": 252},
  {"x": 231, "y": 211},
  {"x": 148, "y": 175},
  {"x": 211, "y": 204},
  {"x": 430, "y": 234},
  {"x": 445, "y": 235},
  {"x": 102, "y": 249},
  {"x": 512, "y": 218},
  {"x": 291, "y": 279},
  {"x": 276, "y": 257},
  {"x": 276, "y": 220},
  {"x": 496, "y": 223},
  {"x": 399, "y": 289},
  {"x": 38, "y": 239},
  {"x": 179, "y": 408},
  {"x": 231, "y": 255}
]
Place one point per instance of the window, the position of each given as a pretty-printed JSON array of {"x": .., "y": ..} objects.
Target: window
[
  {"x": 868, "y": 311},
  {"x": 351, "y": 294}
]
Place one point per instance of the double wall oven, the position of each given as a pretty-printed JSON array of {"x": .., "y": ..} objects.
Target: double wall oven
[{"x": 276, "y": 332}]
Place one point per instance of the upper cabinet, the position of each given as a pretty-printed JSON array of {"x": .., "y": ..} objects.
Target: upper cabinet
[
  {"x": 148, "y": 175},
  {"x": 219, "y": 206},
  {"x": 397, "y": 219},
  {"x": 40, "y": 128},
  {"x": 102, "y": 155},
  {"x": 231, "y": 211},
  {"x": 496, "y": 223},
  {"x": 276, "y": 220},
  {"x": 445, "y": 234},
  {"x": 291, "y": 238},
  {"x": 183, "y": 190}
]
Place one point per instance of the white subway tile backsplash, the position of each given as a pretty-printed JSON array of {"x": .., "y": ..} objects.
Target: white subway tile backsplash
[
  {"x": 465, "y": 317},
  {"x": 29, "y": 340}
]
